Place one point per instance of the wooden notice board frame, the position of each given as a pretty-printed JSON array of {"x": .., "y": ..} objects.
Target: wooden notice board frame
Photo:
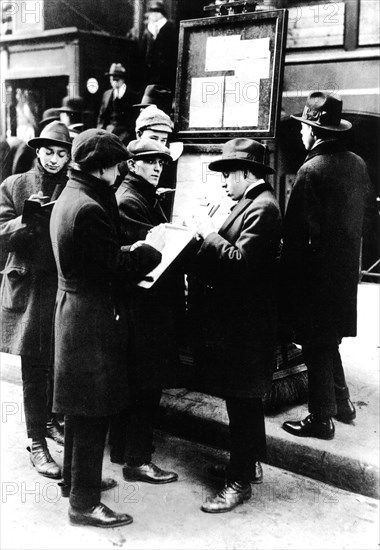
[{"x": 229, "y": 77}]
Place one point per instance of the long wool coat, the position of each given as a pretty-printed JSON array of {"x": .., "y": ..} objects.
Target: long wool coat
[
  {"x": 322, "y": 234},
  {"x": 157, "y": 313},
  {"x": 29, "y": 282},
  {"x": 232, "y": 299},
  {"x": 91, "y": 337}
]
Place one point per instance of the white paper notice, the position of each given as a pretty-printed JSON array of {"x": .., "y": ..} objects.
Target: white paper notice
[
  {"x": 241, "y": 103},
  {"x": 221, "y": 52},
  {"x": 206, "y": 102}
]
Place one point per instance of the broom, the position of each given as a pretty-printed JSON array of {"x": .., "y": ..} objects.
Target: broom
[{"x": 289, "y": 380}]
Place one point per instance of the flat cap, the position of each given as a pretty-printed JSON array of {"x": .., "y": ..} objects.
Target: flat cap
[
  {"x": 96, "y": 148},
  {"x": 145, "y": 148}
]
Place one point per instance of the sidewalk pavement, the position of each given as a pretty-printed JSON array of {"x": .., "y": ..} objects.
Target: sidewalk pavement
[
  {"x": 286, "y": 512},
  {"x": 350, "y": 461}
]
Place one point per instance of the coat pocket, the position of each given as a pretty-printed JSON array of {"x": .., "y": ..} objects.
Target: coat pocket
[{"x": 15, "y": 289}]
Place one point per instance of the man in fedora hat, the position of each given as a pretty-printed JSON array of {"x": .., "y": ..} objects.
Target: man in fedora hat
[
  {"x": 71, "y": 113},
  {"x": 159, "y": 47},
  {"x": 91, "y": 325},
  {"x": 29, "y": 286},
  {"x": 157, "y": 95},
  {"x": 116, "y": 113},
  {"x": 232, "y": 304},
  {"x": 320, "y": 261}
]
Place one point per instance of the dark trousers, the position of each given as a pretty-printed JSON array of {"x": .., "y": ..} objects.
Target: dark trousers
[
  {"x": 247, "y": 436},
  {"x": 327, "y": 383},
  {"x": 131, "y": 432},
  {"x": 83, "y": 458},
  {"x": 37, "y": 385}
]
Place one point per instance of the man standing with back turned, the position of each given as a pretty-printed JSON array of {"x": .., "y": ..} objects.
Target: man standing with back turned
[{"x": 320, "y": 261}]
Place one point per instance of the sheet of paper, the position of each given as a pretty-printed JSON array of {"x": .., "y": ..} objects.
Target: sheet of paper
[
  {"x": 206, "y": 102},
  {"x": 221, "y": 52},
  {"x": 176, "y": 238},
  {"x": 241, "y": 102}
]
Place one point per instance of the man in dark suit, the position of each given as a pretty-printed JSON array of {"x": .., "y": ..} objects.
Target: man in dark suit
[
  {"x": 320, "y": 261},
  {"x": 232, "y": 303},
  {"x": 116, "y": 113},
  {"x": 155, "y": 316},
  {"x": 160, "y": 47}
]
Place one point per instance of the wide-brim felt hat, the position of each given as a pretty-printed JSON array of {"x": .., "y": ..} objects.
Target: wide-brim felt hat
[
  {"x": 117, "y": 69},
  {"x": 148, "y": 148},
  {"x": 54, "y": 133},
  {"x": 241, "y": 153},
  {"x": 48, "y": 116},
  {"x": 324, "y": 111},
  {"x": 72, "y": 104},
  {"x": 156, "y": 95}
]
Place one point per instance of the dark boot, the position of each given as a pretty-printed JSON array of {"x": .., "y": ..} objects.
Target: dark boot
[
  {"x": 233, "y": 494},
  {"x": 42, "y": 460},
  {"x": 55, "y": 431}
]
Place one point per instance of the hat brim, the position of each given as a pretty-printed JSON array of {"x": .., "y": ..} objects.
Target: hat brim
[
  {"x": 34, "y": 143},
  {"x": 342, "y": 127},
  {"x": 123, "y": 75},
  {"x": 143, "y": 105},
  {"x": 152, "y": 154},
  {"x": 234, "y": 164},
  {"x": 46, "y": 121}
]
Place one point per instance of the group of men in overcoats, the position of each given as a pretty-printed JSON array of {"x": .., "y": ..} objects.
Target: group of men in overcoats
[{"x": 116, "y": 346}]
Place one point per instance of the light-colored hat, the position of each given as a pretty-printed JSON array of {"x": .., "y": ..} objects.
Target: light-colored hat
[
  {"x": 117, "y": 69},
  {"x": 55, "y": 133},
  {"x": 153, "y": 118}
]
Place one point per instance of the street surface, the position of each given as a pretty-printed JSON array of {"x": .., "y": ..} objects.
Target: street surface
[{"x": 287, "y": 511}]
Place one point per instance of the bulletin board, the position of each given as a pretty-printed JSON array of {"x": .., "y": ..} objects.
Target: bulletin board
[{"x": 229, "y": 76}]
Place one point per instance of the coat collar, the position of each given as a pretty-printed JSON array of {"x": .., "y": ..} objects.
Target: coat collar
[
  {"x": 326, "y": 148},
  {"x": 243, "y": 203},
  {"x": 140, "y": 186}
]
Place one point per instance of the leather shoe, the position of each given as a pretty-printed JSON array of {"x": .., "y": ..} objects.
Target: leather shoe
[
  {"x": 55, "y": 432},
  {"x": 42, "y": 460},
  {"x": 311, "y": 427},
  {"x": 150, "y": 473},
  {"x": 221, "y": 471},
  {"x": 233, "y": 494},
  {"x": 98, "y": 516},
  {"x": 346, "y": 410},
  {"x": 105, "y": 485}
]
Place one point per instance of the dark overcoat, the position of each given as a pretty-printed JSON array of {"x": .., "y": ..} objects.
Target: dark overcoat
[
  {"x": 322, "y": 236},
  {"x": 118, "y": 116},
  {"x": 157, "y": 313},
  {"x": 91, "y": 339},
  {"x": 29, "y": 282},
  {"x": 232, "y": 299},
  {"x": 160, "y": 55}
]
